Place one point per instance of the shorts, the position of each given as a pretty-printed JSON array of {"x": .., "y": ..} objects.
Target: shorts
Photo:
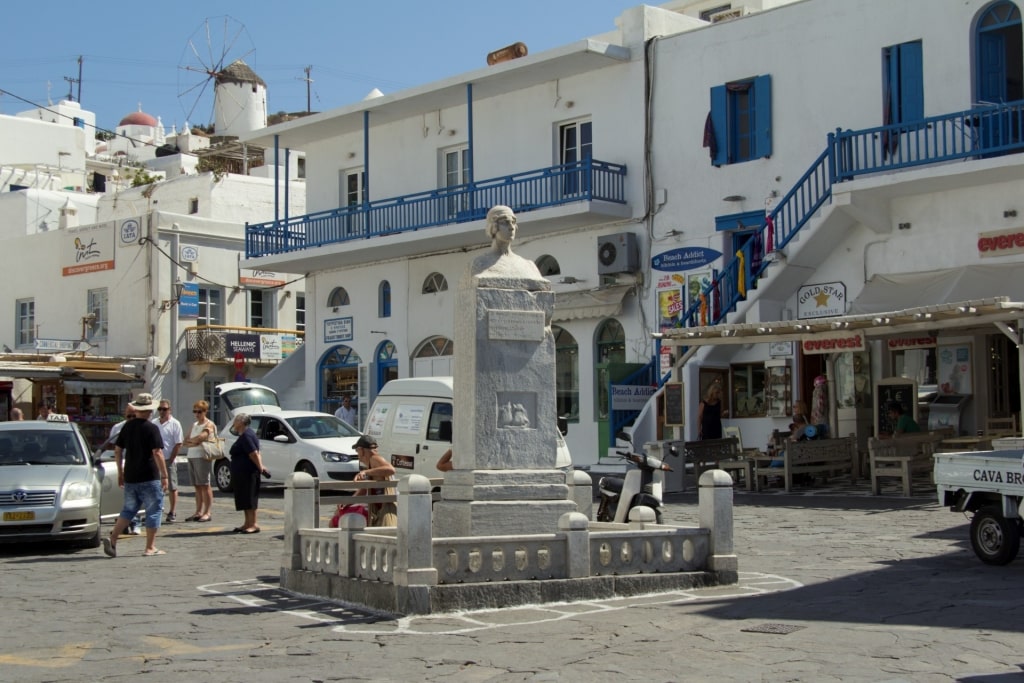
[
  {"x": 200, "y": 471},
  {"x": 146, "y": 495},
  {"x": 172, "y": 476}
]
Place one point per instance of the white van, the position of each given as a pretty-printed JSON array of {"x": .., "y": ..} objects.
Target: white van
[{"x": 412, "y": 421}]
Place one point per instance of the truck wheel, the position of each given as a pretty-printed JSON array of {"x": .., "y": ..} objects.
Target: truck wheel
[
  {"x": 222, "y": 475},
  {"x": 994, "y": 538}
]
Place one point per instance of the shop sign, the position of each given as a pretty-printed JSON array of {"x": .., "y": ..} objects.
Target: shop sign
[
  {"x": 685, "y": 258},
  {"x": 61, "y": 345},
  {"x": 87, "y": 250},
  {"x": 631, "y": 396},
  {"x": 129, "y": 233},
  {"x": 256, "y": 279},
  {"x": 188, "y": 300},
  {"x": 189, "y": 254},
  {"x": 338, "y": 330},
  {"x": 1001, "y": 242},
  {"x": 244, "y": 345},
  {"x": 825, "y": 300},
  {"x": 289, "y": 342},
  {"x": 924, "y": 341},
  {"x": 270, "y": 347},
  {"x": 838, "y": 342}
]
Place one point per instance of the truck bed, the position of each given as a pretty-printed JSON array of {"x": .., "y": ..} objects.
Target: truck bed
[{"x": 999, "y": 472}]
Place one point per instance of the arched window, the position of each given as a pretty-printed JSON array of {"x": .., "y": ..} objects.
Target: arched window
[
  {"x": 611, "y": 342},
  {"x": 548, "y": 265},
  {"x": 567, "y": 374},
  {"x": 435, "y": 283},
  {"x": 384, "y": 299},
  {"x": 433, "y": 358},
  {"x": 387, "y": 363},
  {"x": 338, "y": 297},
  {"x": 999, "y": 63},
  {"x": 610, "y": 347}
]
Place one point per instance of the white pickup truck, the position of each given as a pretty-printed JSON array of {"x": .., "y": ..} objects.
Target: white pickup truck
[{"x": 989, "y": 484}]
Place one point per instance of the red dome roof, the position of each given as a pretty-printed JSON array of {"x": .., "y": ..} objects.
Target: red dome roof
[{"x": 138, "y": 118}]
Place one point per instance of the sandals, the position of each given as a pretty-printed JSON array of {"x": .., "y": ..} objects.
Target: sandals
[
  {"x": 154, "y": 551},
  {"x": 109, "y": 547},
  {"x": 192, "y": 518},
  {"x": 205, "y": 518}
]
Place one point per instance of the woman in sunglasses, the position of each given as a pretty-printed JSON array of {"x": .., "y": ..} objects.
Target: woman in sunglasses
[{"x": 200, "y": 469}]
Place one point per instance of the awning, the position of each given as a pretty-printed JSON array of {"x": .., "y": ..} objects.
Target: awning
[
  {"x": 29, "y": 371},
  {"x": 967, "y": 283},
  {"x": 589, "y": 303},
  {"x": 100, "y": 382},
  {"x": 959, "y": 315}
]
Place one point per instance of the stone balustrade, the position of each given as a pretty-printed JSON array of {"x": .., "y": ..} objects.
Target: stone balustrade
[{"x": 405, "y": 569}]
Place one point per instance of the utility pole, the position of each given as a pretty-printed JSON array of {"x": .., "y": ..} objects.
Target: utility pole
[
  {"x": 309, "y": 82},
  {"x": 72, "y": 81}
]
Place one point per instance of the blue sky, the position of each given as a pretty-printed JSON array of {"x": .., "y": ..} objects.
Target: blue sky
[{"x": 134, "y": 52}]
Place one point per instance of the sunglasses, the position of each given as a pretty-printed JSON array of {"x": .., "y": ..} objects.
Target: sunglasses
[{"x": 198, "y": 411}]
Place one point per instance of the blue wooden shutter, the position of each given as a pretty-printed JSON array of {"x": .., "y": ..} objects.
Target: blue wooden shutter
[
  {"x": 719, "y": 106},
  {"x": 911, "y": 82},
  {"x": 762, "y": 110}
]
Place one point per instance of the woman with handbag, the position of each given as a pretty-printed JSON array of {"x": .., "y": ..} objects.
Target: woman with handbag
[
  {"x": 246, "y": 469},
  {"x": 200, "y": 469}
]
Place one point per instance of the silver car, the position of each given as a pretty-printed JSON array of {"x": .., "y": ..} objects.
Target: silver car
[{"x": 51, "y": 487}]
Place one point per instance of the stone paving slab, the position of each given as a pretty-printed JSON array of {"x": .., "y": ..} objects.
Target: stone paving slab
[{"x": 860, "y": 588}]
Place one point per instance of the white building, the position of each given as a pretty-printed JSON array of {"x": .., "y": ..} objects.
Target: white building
[
  {"x": 640, "y": 163},
  {"x": 140, "y": 287}
]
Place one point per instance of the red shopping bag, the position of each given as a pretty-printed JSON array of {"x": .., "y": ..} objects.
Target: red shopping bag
[{"x": 349, "y": 509}]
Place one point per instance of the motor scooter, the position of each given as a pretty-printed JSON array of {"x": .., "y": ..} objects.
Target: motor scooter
[{"x": 642, "y": 485}]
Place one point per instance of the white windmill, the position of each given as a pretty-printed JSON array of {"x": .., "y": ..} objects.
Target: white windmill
[{"x": 216, "y": 53}]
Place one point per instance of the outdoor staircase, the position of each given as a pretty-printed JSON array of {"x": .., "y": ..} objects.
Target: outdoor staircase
[{"x": 769, "y": 263}]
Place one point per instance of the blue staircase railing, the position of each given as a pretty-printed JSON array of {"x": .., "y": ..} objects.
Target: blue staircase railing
[
  {"x": 585, "y": 180},
  {"x": 981, "y": 132}
]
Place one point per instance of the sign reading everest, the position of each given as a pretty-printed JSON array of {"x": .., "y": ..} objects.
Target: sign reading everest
[
  {"x": 1001, "y": 242},
  {"x": 824, "y": 300},
  {"x": 833, "y": 342},
  {"x": 686, "y": 258}
]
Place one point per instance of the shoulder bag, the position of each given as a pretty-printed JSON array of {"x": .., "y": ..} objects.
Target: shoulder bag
[{"x": 213, "y": 448}]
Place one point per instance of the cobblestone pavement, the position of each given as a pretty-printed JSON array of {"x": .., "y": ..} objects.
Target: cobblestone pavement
[{"x": 835, "y": 586}]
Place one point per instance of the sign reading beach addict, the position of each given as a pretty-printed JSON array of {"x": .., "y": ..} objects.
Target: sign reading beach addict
[
  {"x": 686, "y": 258},
  {"x": 825, "y": 300}
]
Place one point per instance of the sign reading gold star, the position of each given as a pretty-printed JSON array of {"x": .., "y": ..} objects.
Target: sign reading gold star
[{"x": 821, "y": 299}]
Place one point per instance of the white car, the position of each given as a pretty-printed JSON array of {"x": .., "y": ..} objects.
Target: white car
[
  {"x": 51, "y": 487},
  {"x": 319, "y": 444}
]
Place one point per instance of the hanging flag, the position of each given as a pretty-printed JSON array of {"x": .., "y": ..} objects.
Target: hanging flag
[
  {"x": 741, "y": 277},
  {"x": 770, "y": 243}
]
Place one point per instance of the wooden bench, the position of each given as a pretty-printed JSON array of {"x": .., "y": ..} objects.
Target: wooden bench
[
  {"x": 902, "y": 457},
  {"x": 824, "y": 458},
  {"x": 709, "y": 454}
]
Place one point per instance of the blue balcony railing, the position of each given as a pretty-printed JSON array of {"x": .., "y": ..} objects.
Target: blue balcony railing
[
  {"x": 981, "y": 132},
  {"x": 585, "y": 180}
]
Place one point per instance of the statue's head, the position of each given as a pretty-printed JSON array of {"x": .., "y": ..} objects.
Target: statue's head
[{"x": 495, "y": 215}]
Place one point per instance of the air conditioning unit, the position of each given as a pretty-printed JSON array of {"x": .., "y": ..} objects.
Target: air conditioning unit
[
  {"x": 727, "y": 14},
  {"x": 617, "y": 254}
]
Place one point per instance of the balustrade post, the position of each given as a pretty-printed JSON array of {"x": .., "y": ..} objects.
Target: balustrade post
[
  {"x": 414, "y": 564},
  {"x": 301, "y": 511},
  {"x": 582, "y": 492},
  {"x": 348, "y": 526},
  {"x": 576, "y": 527},
  {"x": 714, "y": 507}
]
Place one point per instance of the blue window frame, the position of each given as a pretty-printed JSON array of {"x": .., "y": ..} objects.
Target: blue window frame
[
  {"x": 741, "y": 119},
  {"x": 902, "y": 83}
]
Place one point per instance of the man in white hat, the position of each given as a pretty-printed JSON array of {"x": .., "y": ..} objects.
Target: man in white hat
[{"x": 142, "y": 473}]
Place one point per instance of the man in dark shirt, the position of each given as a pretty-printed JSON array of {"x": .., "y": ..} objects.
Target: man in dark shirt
[{"x": 142, "y": 473}]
